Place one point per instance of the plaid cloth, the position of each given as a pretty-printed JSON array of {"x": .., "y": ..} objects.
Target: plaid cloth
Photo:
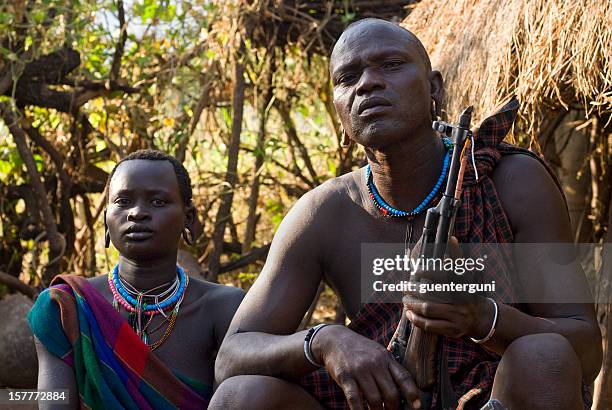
[
  {"x": 113, "y": 368},
  {"x": 481, "y": 219}
]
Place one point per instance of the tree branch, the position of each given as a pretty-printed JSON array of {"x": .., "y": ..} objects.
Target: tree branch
[
  {"x": 15, "y": 284},
  {"x": 57, "y": 158},
  {"x": 283, "y": 110},
  {"x": 52, "y": 68},
  {"x": 116, "y": 66},
  {"x": 32, "y": 79},
  {"x": 255, "y": 255},
  {"x": 295, "y": 170},
  {"x": 251, "y": 223},
  {"x": 12, "y": 73},
  {"x": 56, "y": 241},
  {"x": 95, "y": 89},
  {"x": 231, "y": 176}
]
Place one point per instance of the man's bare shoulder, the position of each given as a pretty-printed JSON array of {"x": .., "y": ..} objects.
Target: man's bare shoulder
[
  {"x": 524, "y": 178},
  {"x": 527, "y": 191},
  {"x": 336, "y": 191},
  {"x": 310, "y": 228}
]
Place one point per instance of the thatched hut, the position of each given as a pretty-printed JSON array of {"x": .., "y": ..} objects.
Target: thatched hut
[
  {"x": 314, "y": 26},
  {"x": 556, "y": 57}
]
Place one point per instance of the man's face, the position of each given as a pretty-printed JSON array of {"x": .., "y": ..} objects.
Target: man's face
[
  {"x": 382, "y": 89},
  {"x": 145, "y": 214}
]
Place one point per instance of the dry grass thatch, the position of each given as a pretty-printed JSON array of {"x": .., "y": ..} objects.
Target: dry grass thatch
[
  {"x": 314, "y": 26},
  {"x": 554, "y": 55}
]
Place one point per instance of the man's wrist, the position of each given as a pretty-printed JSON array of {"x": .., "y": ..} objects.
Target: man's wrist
[
  {"x": 485, "y": 319},
  {"x": 486, "y": 327},
  {"x": 319, "y": 343},
  {"x": 310, "y": 335}
]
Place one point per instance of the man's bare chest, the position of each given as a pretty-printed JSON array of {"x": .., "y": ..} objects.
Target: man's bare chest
[{"x": 349, "y": 249}]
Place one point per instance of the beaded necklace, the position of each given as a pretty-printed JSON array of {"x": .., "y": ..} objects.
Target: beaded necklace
[
  {"x": 169, "y": 295},
  {"x": 133, "y": 300},
  {"x": 171, "y": 321},
  {"x": 123, "y": 296},
  {"x": 387, "y": 210}
]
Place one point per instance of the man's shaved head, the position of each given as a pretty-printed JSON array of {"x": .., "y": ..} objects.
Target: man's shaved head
[
  {"x": 384, "y": 87},
  {"x": 370, "y": 22}
]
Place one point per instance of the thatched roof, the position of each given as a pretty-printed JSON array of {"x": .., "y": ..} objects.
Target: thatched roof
[
  {"x": 314, "y": 26},
  {"x": 554, "y": 55}
]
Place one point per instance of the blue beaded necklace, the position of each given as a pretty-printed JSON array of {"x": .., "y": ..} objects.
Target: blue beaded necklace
[
  {"x": 155, "y": 306},
  {"x": 388, "y": 210}
]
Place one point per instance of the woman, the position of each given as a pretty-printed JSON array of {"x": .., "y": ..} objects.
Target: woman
[{"x": 145, "y": 335}]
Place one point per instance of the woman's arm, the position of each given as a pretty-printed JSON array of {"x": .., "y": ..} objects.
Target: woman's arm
[{"x": 54, "y": 374}]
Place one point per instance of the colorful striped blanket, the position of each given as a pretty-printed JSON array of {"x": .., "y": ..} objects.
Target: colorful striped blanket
[{"x": 113, "y": 367}]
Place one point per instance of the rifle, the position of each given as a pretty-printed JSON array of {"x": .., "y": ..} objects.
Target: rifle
[{"x": 419, "y": 351}]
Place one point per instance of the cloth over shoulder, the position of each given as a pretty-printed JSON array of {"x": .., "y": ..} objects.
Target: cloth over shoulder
[{"x": 113, "y": 367}]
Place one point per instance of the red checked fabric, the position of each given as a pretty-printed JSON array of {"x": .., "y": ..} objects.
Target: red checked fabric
[{"x": 481, "y": 219}]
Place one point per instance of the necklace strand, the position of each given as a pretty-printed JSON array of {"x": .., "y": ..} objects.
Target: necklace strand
[
  {"x": 132, "y": 300},
  {"x": 171, "y": 291},
  {"x": 118, "y": 299},
  {"x": 389, "y": 211},
  {"x": 171, "y": 323},
  {"x": 126, "y": 300}
]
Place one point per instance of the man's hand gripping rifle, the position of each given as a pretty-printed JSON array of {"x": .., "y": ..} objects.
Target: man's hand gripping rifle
[{"x": 418, "y": 351}]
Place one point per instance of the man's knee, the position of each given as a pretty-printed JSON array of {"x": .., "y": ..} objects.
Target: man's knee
[
  {"x": 231, "y": 393},
  {"x": 547, "y": 355},
  {"x": 260, "y": 392},
  {"x": 540, "y": 370}
]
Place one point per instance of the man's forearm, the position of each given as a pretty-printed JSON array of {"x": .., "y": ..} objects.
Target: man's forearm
[
  {"x": 582, "y": 335},
  {"x": 262, "y": 354}
]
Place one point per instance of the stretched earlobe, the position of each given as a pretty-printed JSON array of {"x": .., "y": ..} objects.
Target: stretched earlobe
[
  {"x": 435, "y": 113},
  {"x": 345, "y": 142},
  {"x": 188, "y": 236},
  {"x": 106, "y": 233},
  {"x": 436, "y": 93}
]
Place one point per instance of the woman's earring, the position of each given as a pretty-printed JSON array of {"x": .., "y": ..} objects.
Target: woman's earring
[
  {"x": 188, "y": 236},
  {"x": 345, "y": 142},
  {"x": 106, "y": 233}
]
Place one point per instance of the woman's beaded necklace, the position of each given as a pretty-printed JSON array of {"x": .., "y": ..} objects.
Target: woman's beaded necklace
[
  {"x": 133, "y": 300},
  {"x": 127, "y": 295},
  {"x": 389, "y": 211}
]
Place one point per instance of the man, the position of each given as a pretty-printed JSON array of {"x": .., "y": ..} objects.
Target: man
[{"x": 386, "y": 96}]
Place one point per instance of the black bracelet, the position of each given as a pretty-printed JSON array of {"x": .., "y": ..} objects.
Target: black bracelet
[{"x": 308, "y": 343}]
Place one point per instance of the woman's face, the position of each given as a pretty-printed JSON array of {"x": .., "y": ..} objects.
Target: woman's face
[{"x": 146, "y": 213}]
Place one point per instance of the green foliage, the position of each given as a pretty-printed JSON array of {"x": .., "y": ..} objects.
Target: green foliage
[
  {"x": 11, "y": 164},
  {"x": 246, "y": 279},
  {"x": 277, "y": 212}
]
